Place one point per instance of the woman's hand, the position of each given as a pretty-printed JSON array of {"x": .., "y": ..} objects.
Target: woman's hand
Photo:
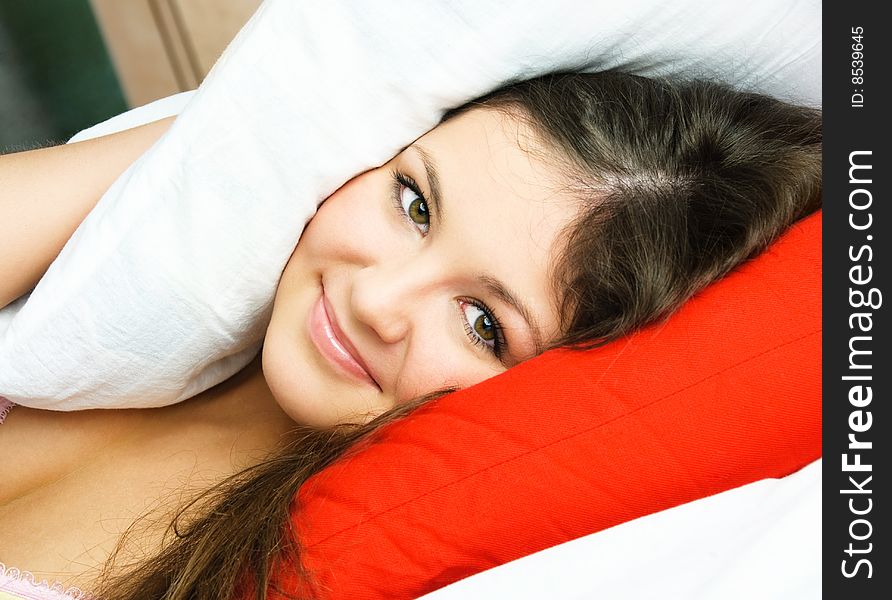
[{"x": 46, "y": 193}]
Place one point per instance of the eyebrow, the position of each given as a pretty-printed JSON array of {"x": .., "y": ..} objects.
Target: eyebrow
[
  {"x": 493, "y": 285},
  {"x": 433, "y": 180}
]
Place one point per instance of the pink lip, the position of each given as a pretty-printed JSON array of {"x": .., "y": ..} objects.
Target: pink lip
[{"x": 333, "y": 344}]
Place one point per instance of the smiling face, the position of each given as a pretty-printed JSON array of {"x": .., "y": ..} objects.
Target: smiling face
[{"x": 430, "y": 272}]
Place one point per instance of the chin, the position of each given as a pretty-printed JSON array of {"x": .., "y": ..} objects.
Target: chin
[
  {"x": 291, "y": 380},
  {"x": 284, "y": 368},
  {"x": 282, "y": 378},
  {"x": 298, "y": 389}
]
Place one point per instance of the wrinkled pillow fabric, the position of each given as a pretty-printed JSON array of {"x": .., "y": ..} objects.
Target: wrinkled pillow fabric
[
  {"x": 166, "y": 288},
  {"x": 724, "y": 393}
]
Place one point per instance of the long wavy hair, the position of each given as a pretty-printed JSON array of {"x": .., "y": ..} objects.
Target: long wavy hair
[{"x": 679, "y": 183}]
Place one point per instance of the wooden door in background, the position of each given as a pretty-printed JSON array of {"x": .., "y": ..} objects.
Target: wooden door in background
[{"x": 161, "y": 47}]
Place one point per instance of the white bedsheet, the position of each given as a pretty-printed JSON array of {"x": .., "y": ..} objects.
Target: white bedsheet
[{"x": 760, "y": 541}]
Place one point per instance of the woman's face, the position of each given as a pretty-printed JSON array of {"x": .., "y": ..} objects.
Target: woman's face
[{"x": 430, "y": 272}]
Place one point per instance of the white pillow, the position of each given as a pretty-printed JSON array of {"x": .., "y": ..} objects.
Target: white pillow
[{"x": 166, "y": 287}]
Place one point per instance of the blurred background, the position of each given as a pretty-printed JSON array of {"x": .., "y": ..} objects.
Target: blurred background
[{"x": 68, "y": 64}]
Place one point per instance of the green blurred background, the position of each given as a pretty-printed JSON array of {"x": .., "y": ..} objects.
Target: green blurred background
[{"x": 56, "y": 77}]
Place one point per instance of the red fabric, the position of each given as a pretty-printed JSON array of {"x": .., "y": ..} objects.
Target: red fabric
[{"x": 728, "y": 391}]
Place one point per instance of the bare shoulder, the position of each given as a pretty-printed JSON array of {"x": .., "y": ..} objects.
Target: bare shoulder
[{"x": 77, "y": 481}]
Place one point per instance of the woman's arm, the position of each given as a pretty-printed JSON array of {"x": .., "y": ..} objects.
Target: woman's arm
[{"x": 46, "y": 193}]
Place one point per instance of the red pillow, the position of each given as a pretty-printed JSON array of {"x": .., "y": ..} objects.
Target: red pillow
[{"x": 726, "y": 392}]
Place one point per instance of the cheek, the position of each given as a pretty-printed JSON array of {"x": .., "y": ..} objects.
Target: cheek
[
  {"x": 351, "y": 215},
  {"x": 435, "y": 367}
]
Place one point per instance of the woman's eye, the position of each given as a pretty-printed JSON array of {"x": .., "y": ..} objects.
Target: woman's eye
[
  {"x": 482, "y": 326},
  {"x": 416, "y": 208},
  {"x": 411, "y": 201}
]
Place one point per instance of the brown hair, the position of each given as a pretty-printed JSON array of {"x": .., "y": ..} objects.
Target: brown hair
[{"x": 680, "y": 182}]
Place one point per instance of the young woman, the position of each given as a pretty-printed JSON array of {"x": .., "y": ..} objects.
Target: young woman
[{"x": 566, "y": 210}]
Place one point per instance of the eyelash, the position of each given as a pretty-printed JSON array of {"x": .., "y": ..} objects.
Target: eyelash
[{"x": 401, "y": 180}]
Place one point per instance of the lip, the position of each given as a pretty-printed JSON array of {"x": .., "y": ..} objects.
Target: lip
[{"x": 331, "y": 342}]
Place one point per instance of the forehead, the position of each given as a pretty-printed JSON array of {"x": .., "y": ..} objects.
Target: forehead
[
  {"x": 500, "y": 150},
  {"x": 504, "y": 203}
]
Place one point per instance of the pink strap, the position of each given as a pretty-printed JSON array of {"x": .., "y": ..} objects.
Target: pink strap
[
  {"x": 5, "y": 407},
  {"x": 22, "y": 584}
]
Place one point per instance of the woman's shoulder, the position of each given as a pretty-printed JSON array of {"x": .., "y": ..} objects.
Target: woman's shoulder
[
  {"x": 39, "y": 446},
  {"x": 53, "y": 486},
  {"x": 74, "y": 482}
]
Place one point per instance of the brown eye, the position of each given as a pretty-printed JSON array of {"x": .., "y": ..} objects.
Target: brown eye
[
  {"x": 418, "y": 212},
  {"x": 483, "y": 327},
  {"x": 413, "y": 205}
]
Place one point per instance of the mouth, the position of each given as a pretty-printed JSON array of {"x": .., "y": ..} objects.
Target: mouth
[{"x": 336, "y": 347}]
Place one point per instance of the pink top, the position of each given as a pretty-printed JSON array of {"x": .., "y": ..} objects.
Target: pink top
[
  {"x": 22, "y": 585},
  {"x": 5, "y": 407}
]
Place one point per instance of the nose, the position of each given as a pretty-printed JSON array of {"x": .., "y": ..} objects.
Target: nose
[{"x": 386, "y": 295}]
